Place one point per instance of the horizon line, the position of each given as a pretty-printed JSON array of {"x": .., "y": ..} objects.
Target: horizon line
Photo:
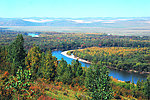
[{"x": 78, "y": 17}]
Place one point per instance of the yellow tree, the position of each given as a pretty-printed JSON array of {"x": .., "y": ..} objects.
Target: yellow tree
[{"x": 33, "y": 60}]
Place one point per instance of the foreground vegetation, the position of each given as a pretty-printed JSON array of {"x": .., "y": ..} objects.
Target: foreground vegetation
[
  {"x": 29, "y": 71},
  {"x": 39, "y": 75}
]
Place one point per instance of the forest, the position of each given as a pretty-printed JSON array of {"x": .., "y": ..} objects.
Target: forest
[
  {"x": 123, "y": 58},
  {"x": 29, "y": 71},
  {"x": 70, "y": 41}
]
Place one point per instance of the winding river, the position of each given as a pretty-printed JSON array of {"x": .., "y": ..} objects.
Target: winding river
[{"x": 120, "y": 75}]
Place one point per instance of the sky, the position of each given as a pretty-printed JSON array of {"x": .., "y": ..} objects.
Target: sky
[{"x": 74, "y": 8}]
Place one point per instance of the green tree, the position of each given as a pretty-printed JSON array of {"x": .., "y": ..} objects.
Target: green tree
[
  {"x": 42, "y": 64},
  {"x": 79, "y": 70},
  {"x": 61, "y": 69},
  {"x": 48, "y": 66},
  {"x": 67, "y": 75},
  {"x": 16, "y": 53},
  {"x": 76, "y": 68},
  {"x": 98, "y": 83},
  {"x": 64, "y": 72},
  {"x": 3, "y": 55},
  {"x": 147, "y": 87},
  {"x": 139, "y": 84}
]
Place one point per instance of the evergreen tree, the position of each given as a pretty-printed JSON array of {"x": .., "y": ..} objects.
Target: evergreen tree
[
  {"x": 61, "y": 69},
  {"x": 16, "y": 53},
  {"x": 98, "y": 83},
  {"x": 64, "y": 72},
  {"x": 3, "y": 55},
  {"x": 147, "y": 87},
  {"x": 49, "y": 68},
  {"x": 67, "y": 75},
  {"x": 76, "y": 68},
  {"x": 42, "y": 64},
  {"x": 79, "y": 71},
  {"x": 139, "y": 84}
]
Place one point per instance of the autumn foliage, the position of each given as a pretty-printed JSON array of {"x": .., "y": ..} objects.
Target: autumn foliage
[{"x": 29, "y": 71}]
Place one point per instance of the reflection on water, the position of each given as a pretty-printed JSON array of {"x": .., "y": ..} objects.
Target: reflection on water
[{"x": 120, "y": 75}]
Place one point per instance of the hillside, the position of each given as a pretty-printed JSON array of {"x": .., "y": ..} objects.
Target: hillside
[{"x": 119, "y": 22}]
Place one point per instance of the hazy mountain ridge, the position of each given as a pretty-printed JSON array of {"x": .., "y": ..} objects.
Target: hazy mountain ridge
[{"x": 78, "y": 22}]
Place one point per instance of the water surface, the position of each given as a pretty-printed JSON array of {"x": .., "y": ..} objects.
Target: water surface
[
  {"x": 32, "y": 34},
  {"x": 120, "y": 75}
]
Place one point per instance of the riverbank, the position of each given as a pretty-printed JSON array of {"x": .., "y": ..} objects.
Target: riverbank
[
  {"x": 130, "y": 71},
  {"x": 73, "y": 57},
  {"x": 117, "y": 74},
  {"x": 82, "y": 60}
]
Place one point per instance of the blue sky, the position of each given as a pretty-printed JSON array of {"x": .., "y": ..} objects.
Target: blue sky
[{"x": 74, "y": 8}]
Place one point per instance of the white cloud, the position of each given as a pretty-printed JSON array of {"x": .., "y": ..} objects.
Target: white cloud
[
  {"x": 122, "y": 19},
  {"x": 98, "y": 20},
  {"x": 109, "y": 22},
  {"x": 84, "y": 21},
  {"x": 38, "y": 21},
  {"x": 113, "y": 21},
  {"x": 81, "y": 21}
]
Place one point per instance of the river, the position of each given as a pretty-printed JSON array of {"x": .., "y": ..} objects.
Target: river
[
  {"x": 120, "y": 75},
  {"x": 33, "y": 34}
]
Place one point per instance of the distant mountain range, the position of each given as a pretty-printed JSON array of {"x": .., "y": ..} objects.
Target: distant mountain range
[{"x": 119, "y": 22}]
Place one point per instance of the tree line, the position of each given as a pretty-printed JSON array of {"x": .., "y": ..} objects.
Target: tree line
[
  {"x": 125, "y": 58},
  {"x": 69, "y": 41}
]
